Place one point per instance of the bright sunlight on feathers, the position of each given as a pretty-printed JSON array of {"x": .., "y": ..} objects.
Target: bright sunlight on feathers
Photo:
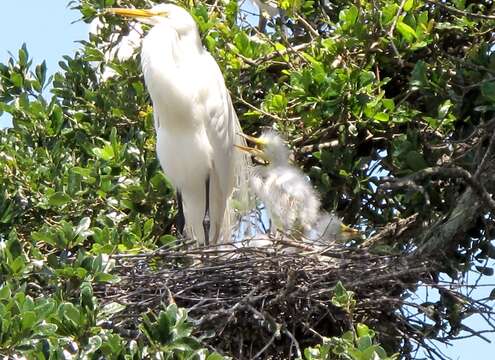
[
  {"x": 196, "y": 124},
  {"x": 197, "y": 129}
]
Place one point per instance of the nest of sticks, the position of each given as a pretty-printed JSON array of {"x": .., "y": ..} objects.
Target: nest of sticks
[{"x": 267, "y": 302}]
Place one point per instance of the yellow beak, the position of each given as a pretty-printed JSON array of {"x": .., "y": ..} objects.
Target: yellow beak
[
  {"x": 253, "y": 151},
  {"x": 257, "y": 141},
  {"x": 135, "y": 13},
  {"x": 348, "y": 230},
  {"x": 247, "y": 149}
]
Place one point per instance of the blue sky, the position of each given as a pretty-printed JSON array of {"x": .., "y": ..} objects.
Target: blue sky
[
  {"x": 46, "y": 27},
  {"x": 48, "y": 30}
]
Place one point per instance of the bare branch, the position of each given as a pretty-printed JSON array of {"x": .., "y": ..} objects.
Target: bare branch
[{"x": 460, "y": 12}]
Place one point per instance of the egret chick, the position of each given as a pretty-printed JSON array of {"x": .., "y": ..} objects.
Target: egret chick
[
  {"x": 330, "y": 229},
  {"x": 291, "y": 201},
  {"x": 196, "y": 124},
  {"x": 285, "y": 190}
]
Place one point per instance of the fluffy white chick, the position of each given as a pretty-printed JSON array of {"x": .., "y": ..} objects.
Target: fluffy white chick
[
  {"x": 330, "y": 229},
  {"x": 286, "y": 192}
]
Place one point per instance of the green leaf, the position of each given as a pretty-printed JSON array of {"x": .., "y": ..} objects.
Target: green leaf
[
  {"x": 41, "y": 73},
  {"x": 348, "y": 17},
  {"x": 167, "y": 239},
  {"x": 111, "y": 309},
  {"x": 106, "y": 153},
  {"x": 418, "y": 76},
  {"x": 415, "y": 161},
  {"x": 18, "y": 265},
  {"x": 408, "y": 5},
  {"x": 488, "y": 90},
  {"x": 5, "y": 292},
  {"x": 70, "y": 313},
  {"x": 82, "y": 171},
  {"x": 58, "y": 199},
  {"x": 406, "y": 31},
  {"x": 17, "y": 79},
  {"x": 104, "y": 277},
  {"x": 381, "y": 116},
  {"x": 389, "y": 12},
  {"x": 94, "y": 343},
  {"x": 443, "y": 109},
  {"x": 28, "y": 319},
  {"x": 364, "y": 342},
  {"x": 362, "y": 330}
]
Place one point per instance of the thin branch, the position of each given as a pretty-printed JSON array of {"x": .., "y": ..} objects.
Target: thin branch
[
  {"x": 392, "y": 29},
  {"x": 307, "y": 25},
  {"x": 488, "y": 153},
  {"x": 274, "y": 117},
  {"x": 461, "y": 12},
  {"x": 444, "y": 173}
]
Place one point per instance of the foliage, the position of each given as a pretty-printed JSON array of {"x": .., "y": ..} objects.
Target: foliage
[
  {"x": 361, "y": 90},
  {"x": 355, "y": 345}
]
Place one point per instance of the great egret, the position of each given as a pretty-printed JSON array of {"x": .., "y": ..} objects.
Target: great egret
[
  {"x": 288, "y": 195},
  {"x": 196, "y": 124}
]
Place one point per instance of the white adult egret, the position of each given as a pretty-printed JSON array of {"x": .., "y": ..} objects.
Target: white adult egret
[
  {"x": 196, "y": 124},
  {"x": 288, "y": 195}
]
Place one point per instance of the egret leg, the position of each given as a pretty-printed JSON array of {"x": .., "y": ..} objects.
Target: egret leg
[
  {"x": 180, "y": 221},
  {"x": 206, "y": 218}
]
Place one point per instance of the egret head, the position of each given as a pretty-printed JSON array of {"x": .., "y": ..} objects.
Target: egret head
[
  {"x": 330, "y": 228},
  {"x": 172, "y": 15},
  {"x": 272, "y": 148}
]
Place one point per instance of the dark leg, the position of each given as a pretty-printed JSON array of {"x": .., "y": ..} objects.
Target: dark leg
[
  {"x": 206, "y": 218},
  {"x": 261, "y": 23},
  {"x": 180, "y": 221}
]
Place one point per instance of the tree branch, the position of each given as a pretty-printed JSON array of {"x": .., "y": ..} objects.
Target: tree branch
[
  {"x": 443, "y": 173},
  {"x": 460, "y": 12}
]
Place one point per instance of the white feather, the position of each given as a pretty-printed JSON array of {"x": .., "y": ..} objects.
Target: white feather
[
  {"x": 284, "y": 189},
  {"x": 195, "y": 121}
]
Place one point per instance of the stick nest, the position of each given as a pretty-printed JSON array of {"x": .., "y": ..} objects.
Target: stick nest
[{"x": 268, "y": 302}]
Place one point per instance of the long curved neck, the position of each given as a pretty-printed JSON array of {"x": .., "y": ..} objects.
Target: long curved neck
[{"x": 168, "y": 61}]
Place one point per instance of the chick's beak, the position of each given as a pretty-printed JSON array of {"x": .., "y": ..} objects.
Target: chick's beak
[
  {"x": 257, "y": 141},
  {"x": 253, "y": 151},
  {"x": 134, "y": 13},
  {"x": 349, "y": 231}
]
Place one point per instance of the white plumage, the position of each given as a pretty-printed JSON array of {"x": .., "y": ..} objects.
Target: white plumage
[
  {"x": 196, "y": 125},
  {"x": 292, "y": 203},
  {"x": 329, "y": 229},
  {"x": 285, "y": 190}
]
